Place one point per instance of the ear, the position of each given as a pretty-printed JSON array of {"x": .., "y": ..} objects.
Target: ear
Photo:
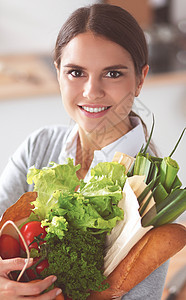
[
  {"x": 57, "y": 70},
  {"x": 144, "y": 73}
]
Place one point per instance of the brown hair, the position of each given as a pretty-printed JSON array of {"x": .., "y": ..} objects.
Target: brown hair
[{"x": 112, "y": 22}]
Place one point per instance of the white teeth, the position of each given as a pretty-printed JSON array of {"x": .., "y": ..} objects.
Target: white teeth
[{"x": 94, "y": 109}]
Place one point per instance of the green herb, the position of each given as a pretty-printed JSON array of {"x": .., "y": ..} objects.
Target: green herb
[{"x": 77, "y": 261}]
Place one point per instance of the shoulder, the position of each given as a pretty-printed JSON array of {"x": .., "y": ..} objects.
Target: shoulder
[
  {"x": 43, "y": 145},
  {"x": 48, "y": 133},
  {"x": 49, "y": 136}
]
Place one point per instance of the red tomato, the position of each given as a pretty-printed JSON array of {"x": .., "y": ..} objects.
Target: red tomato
[
  {"x": 42, "y": 265},
  {"x": 31, "y": 274},
  {"x": 31, "y": 230},
  {"x": 39, "y": 268},
  {"x": 9, "y": 247}
]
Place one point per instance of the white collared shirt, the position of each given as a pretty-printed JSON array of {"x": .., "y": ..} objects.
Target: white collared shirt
[{"x": 129, "y": 144}]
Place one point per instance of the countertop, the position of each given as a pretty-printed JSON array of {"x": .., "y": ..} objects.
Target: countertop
[{"x": 28, "y": 75}]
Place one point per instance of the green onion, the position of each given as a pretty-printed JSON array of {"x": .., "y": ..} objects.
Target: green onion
[
  {"x": 153, "y": 172},
  {"x": 168, "y": 213},
  {"x": 168, "y": 171},
  {"x": 177, "y": 142},
  {"x": 145, "y": 192},
  {"x": 160, "y": 193},
  {"x": 142, "y": 165},
  {"x": 156, "y": 159},
  {"x": 176, "y": 184},
  {"x": 144, "y": 206},
  {"x": 143, "y": 151},
  {"x": 174, "y": 196},
  {"x": 149, "y": 216}
]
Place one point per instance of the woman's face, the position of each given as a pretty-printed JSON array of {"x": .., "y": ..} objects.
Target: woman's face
[{"x": 98, "y": 84}]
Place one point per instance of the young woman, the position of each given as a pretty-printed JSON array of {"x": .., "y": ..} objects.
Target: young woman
[{"x": 101, "y": 61}]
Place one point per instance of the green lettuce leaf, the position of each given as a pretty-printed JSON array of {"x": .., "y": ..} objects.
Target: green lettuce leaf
[
  {"x": 57, "y": 227},
  {"x": 112, "y": 170},
  {"x": 81, "y": 213},
  {"x": 103, "y": 194},
  {"x": 48, "y": 180},
  {"x": 93, "y": 208}
]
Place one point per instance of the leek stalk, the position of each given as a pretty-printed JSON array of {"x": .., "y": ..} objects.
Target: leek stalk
[
  {"x": 142, "y": 165},
  {"x": 176, "y": 184},
  {"x": 174, "y": 196},
  {"x": 145, "y": 192},
  {"x": 160, "y": 193},
  {"x": 168, "y": 171},
  {"x": 176, "y": 206},
  {"x": 163, "y": 182},
  {"x": 153, "y": 172},
  {"x": 144, "y": 206}
]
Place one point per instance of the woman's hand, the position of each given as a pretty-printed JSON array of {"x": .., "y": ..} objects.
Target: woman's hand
[{"x": 13, "y": 290}]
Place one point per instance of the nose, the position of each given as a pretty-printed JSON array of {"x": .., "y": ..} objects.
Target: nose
[{"x": 93, "y": 89}]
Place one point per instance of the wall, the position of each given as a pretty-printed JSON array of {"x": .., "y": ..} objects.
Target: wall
[
  {"x": 18, "y": 118},
  {"x": 32, "y": 26}
]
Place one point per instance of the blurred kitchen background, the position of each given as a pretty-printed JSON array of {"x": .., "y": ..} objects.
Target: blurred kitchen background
[{"x": 29, "y": 93}]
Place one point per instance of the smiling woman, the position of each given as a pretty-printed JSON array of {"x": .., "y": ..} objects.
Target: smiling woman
[
  {"x": 96, "y": 88},
  {"x": 101, "y": 61}
]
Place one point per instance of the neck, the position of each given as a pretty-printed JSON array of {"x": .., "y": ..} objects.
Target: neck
[
  {"x": 89, "y": 142},
  {"x": 84, "y": 155}
]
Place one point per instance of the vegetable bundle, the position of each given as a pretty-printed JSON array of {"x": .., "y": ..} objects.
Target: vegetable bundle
[{"x": 76, "y": 223}]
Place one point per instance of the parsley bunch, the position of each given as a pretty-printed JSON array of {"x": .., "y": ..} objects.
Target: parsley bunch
[{"x": 77, "y": 261}]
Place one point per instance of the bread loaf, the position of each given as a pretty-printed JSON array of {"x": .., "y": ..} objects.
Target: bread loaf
[{"x": 151, "y": 251}]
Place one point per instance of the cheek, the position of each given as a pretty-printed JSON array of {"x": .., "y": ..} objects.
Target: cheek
[
  {"x": 123, "y": 107},
  {"x": 124, "y": 91},
  {"x": 67, "y": 92},
  {"x": 69, "y": 95},
  {"x": 123, "y": 95}
]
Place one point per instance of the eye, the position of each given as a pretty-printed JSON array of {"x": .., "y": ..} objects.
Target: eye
[
  {"x": 76, "y": 73},
  {"x": 114, "y": 74}
]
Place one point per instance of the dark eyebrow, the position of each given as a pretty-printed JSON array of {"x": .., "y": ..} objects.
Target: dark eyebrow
[
  {"x": 109, "y": 68},
  {"x": 73, "y": 66},
  {"x": 115, "y": 67}
]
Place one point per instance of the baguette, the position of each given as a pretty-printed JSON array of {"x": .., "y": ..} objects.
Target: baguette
[{"x": 151, "y": 251}]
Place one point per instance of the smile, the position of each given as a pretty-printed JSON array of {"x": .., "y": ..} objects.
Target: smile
[{"x": 94, "y": 109}]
